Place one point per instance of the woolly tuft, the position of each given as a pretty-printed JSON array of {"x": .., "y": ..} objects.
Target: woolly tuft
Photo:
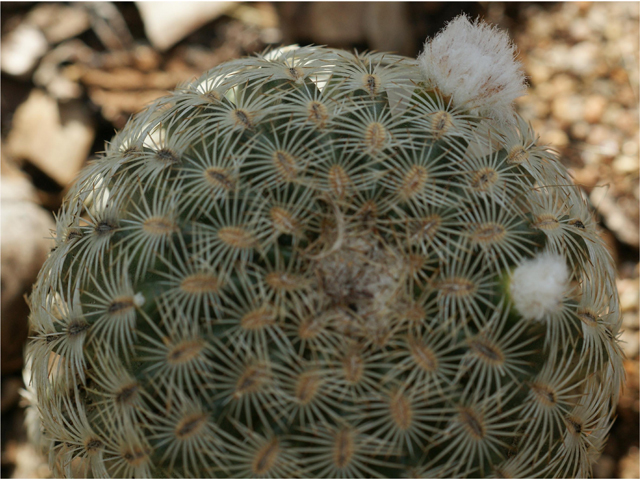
[
  {"x": 475, "y": 65},
  {"x": 538, "y": 285}
]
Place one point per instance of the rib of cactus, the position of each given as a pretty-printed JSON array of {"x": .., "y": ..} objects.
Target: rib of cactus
[{"x": 312, "y": 263}]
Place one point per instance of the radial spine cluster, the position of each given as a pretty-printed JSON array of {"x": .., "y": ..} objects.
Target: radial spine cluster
[{"x": 313, "y": 263}]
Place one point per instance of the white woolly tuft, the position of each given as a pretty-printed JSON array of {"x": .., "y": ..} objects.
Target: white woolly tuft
[
  {"x": 138, "y": 299},
  {"x": 538, "y": 285},
  {"x": 475, "y": 65}
]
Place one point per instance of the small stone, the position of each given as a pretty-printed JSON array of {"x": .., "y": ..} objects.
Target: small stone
[
  {"x": 166, "y": 23},
  {"x": 599, "y": 134},
  {"x": 59, "y": 22},
  {"x": 594, "y": 107},
  {"x": 21, "y": 49},
  {"x": 146, "y": 58},
  {"x": 583, "y": 57},
  {"x": 538, "y": 71},
  {"x": 28, "y": 462},
  {"x": 629, "y": 294},
  {"x": 563, "y": 84},
  {"x": 609, "y": 148},
  {"x": 587, "y": 176},
  {"x": 629, "y": 465},
  {"x": 579, "y": 29},
  {"x": 568, "y": 108},
  {"x": 580, "y": 130},
  {"x": 559, "y": 57},
  {"x": 619, "y": 75},
  {"x": 554, "y": 136},
  {"x": 627, "y": 123},
  {"x": 630, "y": 322},
  {"x": 630, "y": 148},
  {"x": 630, "y": 342},
  {"x": 626, "y": 164},
  {"x": 55, "y": 138},
  {"x": 25, "y": 227},
  {"x": 616, "y": 219}
]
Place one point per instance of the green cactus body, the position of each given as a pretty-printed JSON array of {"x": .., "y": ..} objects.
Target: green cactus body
[{"x": 303, "y": 265}]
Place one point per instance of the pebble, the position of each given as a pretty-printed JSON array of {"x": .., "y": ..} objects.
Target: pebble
[
  {"x": 24, "y": 228},
  {"x": 580, "y": 130},
  {"x": 626, "y": 164},
  {"x": 21, "y": 49},
  {"x": 556, "y": 137},
  {"x": 630, "y": 148},
  {"x": 594, "y": 107},
  {"x": 568, "y": 108},
  {"x": 59, "y": 22},
  {"x": 538, "y": 71},
  {"x": 628, "y": 288},
  {"x": 56, "y": 138},
  {"x": 599, "y": 134},
  {"x": 580, "y": 30},
  {"x": 630, "y": 465},
  {"x": 616, "y": 218},
  {"x": 582, "y": 58},
  {"x": 609, "y": 147},
  {"x": 166, "y": 23}
]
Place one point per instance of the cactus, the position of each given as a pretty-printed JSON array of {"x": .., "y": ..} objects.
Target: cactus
[{"x": 313, "y": 263}]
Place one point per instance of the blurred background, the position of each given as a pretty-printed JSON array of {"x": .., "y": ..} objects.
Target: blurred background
[{"x": 73, "y": 73}]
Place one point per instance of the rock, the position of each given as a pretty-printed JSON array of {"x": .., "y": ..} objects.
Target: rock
[
  {"x": 59, "y": 22},
  {"x": 568, "y": 108},
  {"x": 554, "y": 136},
  {"x": 626, "y": 164},
  {"x": 559, "y": 57},
  {"x": 609, "y": 148},
  {"x": 538, "y": 71},
  {"x": 594, "y": 107},
  {"x": 21, "y": 49},
  {"x": 586, "y": 177},
  {"x": 579, "y": 29},
  {"x": 629, "y": 465},
  {"x": 166, "y": 23},
  {"x": 630, "y": 148},
  {"x": 630, "y": 342},
  {"x": 624, "y": 228},
  {"x": 599, "y": 134},
  {"x": 580, "y": 130},
  {"x": 56, "y": 138},
  {"x": 28, "y": 462},
  {"x": 146, "y": 58},
  {"x": 24, "y": 230},
  {"x": 629, "y": 294},
  {"x": 118, "y": 106},
  {"x": 583, "y": 58}
]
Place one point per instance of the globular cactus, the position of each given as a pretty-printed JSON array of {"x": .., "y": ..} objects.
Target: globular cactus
[{"x": 313, "y": 263}]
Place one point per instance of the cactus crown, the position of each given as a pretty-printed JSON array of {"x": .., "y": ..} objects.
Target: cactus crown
[{"x": 318, "y": 263}]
